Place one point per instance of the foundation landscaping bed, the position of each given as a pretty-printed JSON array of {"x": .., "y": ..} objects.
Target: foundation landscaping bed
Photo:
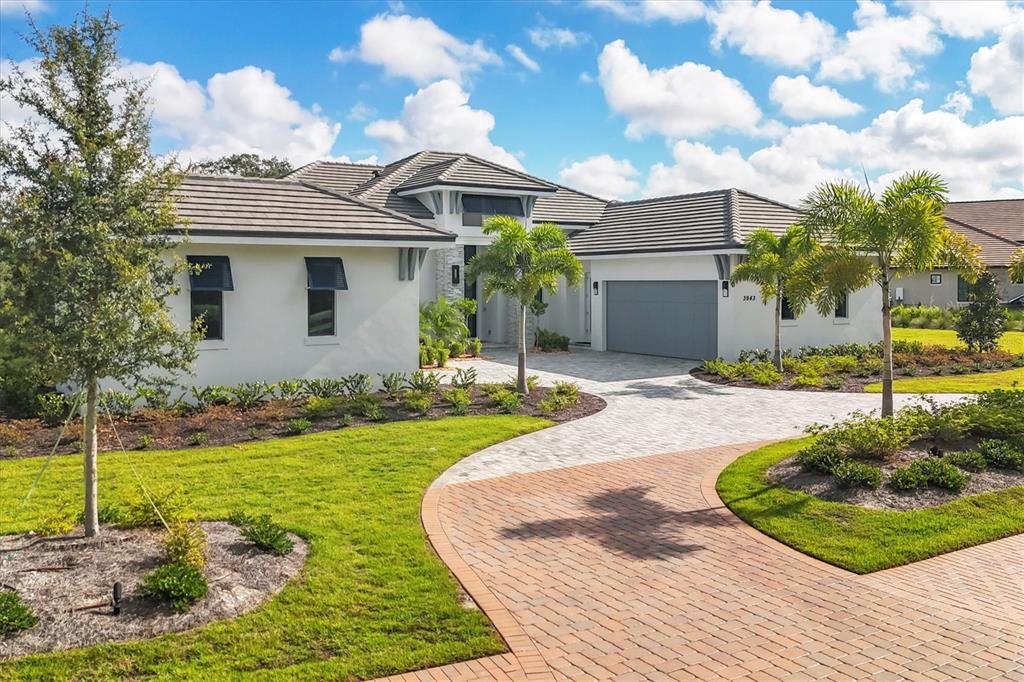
[
  {"x": 224, "y": 415},
  {"x": 371, "y": 598},
  {"x": 870, "y": 493},
  {"x": 856, "y": 367}
]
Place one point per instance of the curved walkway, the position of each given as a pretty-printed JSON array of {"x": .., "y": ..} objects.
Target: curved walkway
[
  {"x": 654, "y": 406},
  {"x": 633, "y": 570}
]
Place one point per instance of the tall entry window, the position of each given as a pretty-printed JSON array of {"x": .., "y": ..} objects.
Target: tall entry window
[
  {"x": 476, "y": 208},
  {"x": 209, "y": 278},
  {"x": 324, "y": 277}
]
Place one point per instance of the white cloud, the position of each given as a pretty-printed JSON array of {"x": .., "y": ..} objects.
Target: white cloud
[
  {"x": 687, "y": 99},
  {"x": 997, "y": 72},
  {"x": 585, "y": 77},
  {"x": 965, "y": 18},
  {"x": 958, "y": 103},
  {"x": 978, "y": 161},
  {"x": 439, "y": 117},
  {"x": 798, "y": 98},
  {"x": 881, "y": 46},
  {"x": 19, "y": 7},
  {"x": 547, "y": 37},
  {"x": 602, "y": 176},
  {"x": 647, "y": 11},
  {"x": 361, "y": 111},
  {"x": 523, "y": 58},
  {"x": 417, "y": 49},
  {"x": 777, "y": 36}
]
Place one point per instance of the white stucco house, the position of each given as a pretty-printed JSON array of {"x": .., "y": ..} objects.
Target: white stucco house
[{"x": 321, "y": 273}]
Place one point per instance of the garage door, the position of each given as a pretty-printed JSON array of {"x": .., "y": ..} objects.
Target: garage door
[{"x": 677, "y": 319}]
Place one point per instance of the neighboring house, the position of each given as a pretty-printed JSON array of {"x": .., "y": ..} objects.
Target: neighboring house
[
  {"x": 321, "y": 273},
  {"x": 997, "y": 227}
]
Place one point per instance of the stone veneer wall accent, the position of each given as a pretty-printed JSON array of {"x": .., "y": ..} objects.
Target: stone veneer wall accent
[{"x": 444, "y": 259}]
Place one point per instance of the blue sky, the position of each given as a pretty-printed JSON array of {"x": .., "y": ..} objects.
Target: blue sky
[{"x": 621, "y": 99}]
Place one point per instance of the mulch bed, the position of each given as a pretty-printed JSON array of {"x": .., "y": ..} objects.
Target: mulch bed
[
  {"x": 56, "y": 576},
  {"x": 789, "y": 474},
  {"x": 225, "y": 425}
]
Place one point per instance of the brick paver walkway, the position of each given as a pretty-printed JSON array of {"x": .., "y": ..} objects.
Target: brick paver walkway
[{"x": 633, "y": 570}]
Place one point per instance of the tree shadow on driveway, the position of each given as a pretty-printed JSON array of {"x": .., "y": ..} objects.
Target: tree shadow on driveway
[{"x": 628, "y": 523}]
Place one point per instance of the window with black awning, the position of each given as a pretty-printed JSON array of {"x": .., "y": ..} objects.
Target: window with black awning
[
  {"x": 325, "y": 274},
  {"x": 214, "y": 273}
]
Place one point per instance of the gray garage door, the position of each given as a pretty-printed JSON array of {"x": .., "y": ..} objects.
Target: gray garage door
[{"x": 677, "y": 319}]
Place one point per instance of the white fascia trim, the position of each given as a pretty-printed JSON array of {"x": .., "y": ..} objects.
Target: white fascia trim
[
  {"x": 292, "y": 241},
  {"x": 664, "y": 254},
  {"x": 475, "y": 190}
]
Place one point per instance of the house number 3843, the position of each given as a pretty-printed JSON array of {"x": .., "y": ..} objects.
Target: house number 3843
[{"x": 750, "y": 298}]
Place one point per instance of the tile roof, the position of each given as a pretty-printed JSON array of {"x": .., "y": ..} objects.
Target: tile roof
[
  {"x": 1002, "y": 217},
  {"x": 333, "y": 175},
  {"x": 228, "y": 205},
  {"x": 470, "y": 171},
  {"x": 568, "y": 207},
  {"x": 686, "y": 222},
  {"x": 995, "y": 250}
]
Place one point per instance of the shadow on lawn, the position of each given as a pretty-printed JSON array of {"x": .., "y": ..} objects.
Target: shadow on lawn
[{"x": 628, "y": 523}]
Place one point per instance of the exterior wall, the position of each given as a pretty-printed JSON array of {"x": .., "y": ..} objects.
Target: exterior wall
[
  {"x": 743, "y": 321},
  {"x": 444, "y": 259},
  {"x": 265, "y": 316},
  {"x": 917, "y": 288},
  {"x": 566, "y": 313}
]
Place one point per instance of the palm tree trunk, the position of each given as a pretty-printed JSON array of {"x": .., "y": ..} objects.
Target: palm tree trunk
[
  {"x": 887, "y": 401},
  {"x": 92, "y": 523},
  {"x": 521, "y": 377},
  {"x": 777, "y": 357}
]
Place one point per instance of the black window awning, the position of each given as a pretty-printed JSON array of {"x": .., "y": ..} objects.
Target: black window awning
[
  {"x": 325, "y": 274},
  {"x": 214, "y": 276},
  {"x": 492, "y": 205}
]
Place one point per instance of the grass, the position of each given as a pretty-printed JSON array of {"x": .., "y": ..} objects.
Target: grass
[
  {"x": 957, "y": 383},
  {"x": 372, "y": 598},
  {"x": 855, "y": 538},
  {"x": 1009, "y": 341}
]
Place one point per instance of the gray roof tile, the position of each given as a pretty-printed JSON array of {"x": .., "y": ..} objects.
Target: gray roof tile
[
  {"x": 469, "y": 171},
  {"x": 335, "y": 176},
  {"x": 1001, "y": 217}
]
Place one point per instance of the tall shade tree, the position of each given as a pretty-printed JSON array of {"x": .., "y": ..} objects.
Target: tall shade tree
[
  {"x": 85, "y": 211},
  {"x": 246, "y": 165},
  {"x": 520, "y": 263},
  {"x": 871, "y": 239},
  {"x": 1017, "y": 266},
  {"x": 777, "y": 265}
]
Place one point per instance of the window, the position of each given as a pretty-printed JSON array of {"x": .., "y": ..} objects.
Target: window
[
  {"x": 935, "y": 278},
  {"x": 964, "y": 289},
  {"x": 324, "y": 276},
  {"x": 787, "y": 310},
  {"x": 208, "y": 283},
  {"x": 843, "y": 308},
  {"x": 476, "y": 207}
]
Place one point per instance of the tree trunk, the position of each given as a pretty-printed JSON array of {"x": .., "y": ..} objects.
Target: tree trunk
[
  {"x": 92, "y": 522},
  {"x": 521, "y": 377},
  {"x": 777, "y": 357},
  {"x": 887, "y": 402}
]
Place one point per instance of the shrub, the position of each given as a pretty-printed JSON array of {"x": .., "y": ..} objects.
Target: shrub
[
  {"x": 819, "y": 457},
  {"x": 426, "y": 356},
  {"x": 508, "y": 401},
  {"x": 567, "y": 390},
  {"x": 866, "y": 437},
  {"x": 726, "y": 370},
  {"x": 320, "y": 408},
  {"x": 459, "y": 399},
  {"x": 834, "y": 382},
  {"x": 942, "y": 424},
  {"x": 254, "y": 432},
  {"x": 475, "y": 347},
  {"x": 297, "y": 426},
  {"x": 969, "y": 460},
  {"x": 248, "y": 395},
  {"x": 906, "y": 478},
  {"x": 842, "y": 364},
  {"x": 417, "y": 402},
  {"x": 177, "y": 584},
  {"x": 424, "y": 382},
  {"x": 145, "y": 441},
  {"x": 14, "y": 613},
  {"x": 765, "y": 374},
  {"x": 263, "y": 532},
  {"x": 852, "y": 474},
  {"x": 465, "y": 377},
  {"x": 556, "y": 403},
  {"x": 154, "y": 397},
  {"x": 140, "y": 510},
  {"x": 982, "y": 321},
  {"x": 392, "y": 383},
  {"x": 357, "y": 384},
  {"x": 52, "y": 408},
  {"x": 932, "y": 472},
  {"x": 207, "y": 396},
  {"x": 117, "y": 403},
  {"x": 289, "y": 389},
  {"x": 1001, "y": 454},
  {"x": 457, "y": 348},
  {"x": 107, "y": 513},
  {"x": 323, "y": 388},
  {"x": 532, "y": 382},
  {"x": 197, "y": 438},
  {"x": 997, "y": 414},
  {"x": 186, "y": 544},
  {"x": 9, "y": 435},
  {"x": 441, "y": 357},
  {"x": 908, "y": 347},
  {"x": 368, "y": 406},
  {"x": 548, "y": 340},
  {"x": 807, "y": 378}
]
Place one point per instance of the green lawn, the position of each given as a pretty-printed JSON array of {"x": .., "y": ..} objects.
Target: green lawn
[
  {"x": 372, "y": 599},
  {"x": 858, "y": 539},
  {"x": 958, "y": 383},
  {"x": 1009, "y": 341}
]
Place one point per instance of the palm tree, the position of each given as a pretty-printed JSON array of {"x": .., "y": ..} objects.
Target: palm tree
[
  {"x": 445, "y": 321},
  {"x": 521, "y": 262},
  {"x": 878, "y": 239},
  {"x": 776, "y": 264},
  {"x": 1017, "y": 266}
]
